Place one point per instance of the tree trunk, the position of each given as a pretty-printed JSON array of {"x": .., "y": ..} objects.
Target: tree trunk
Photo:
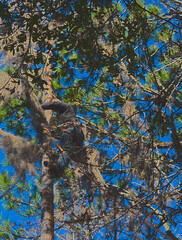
[
  {"x": 47, "y": 199},
  {"x": 47, "y": 204}
]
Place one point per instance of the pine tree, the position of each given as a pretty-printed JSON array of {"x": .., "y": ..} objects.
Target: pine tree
[{"x": 119, "y": 63}]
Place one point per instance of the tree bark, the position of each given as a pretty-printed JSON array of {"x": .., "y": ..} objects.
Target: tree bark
[
  {"x": 47, "y": 195},
  {"x": 47, "y": 203}
]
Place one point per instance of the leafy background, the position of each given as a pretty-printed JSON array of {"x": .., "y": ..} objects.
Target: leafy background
[{"x": 119, "y": 62}]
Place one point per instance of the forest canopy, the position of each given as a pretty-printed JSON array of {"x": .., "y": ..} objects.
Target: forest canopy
[{"x": 119, "y": 64}]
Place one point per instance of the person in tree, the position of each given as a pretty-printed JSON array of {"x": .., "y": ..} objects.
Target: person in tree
[{"x": 67, "y": 130}]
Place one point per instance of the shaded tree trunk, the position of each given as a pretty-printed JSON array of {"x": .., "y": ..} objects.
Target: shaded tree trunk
[
  {"x": 47, "y": 204},
  {"x": 47, "y": 197}
]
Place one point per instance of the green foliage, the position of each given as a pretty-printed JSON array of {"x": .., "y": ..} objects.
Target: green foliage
[
  {"x": 165, "y": 34},
  {"x": 56, "y": 85},
  {"x": 3, "y": 113},
  {"x": 12, "y": 114},
  {"x": 154, "y": 9},
  {"x": 4, "y": 181},
  {"x": 12, "y": 71},
  {"x": 120, "y": 64}
]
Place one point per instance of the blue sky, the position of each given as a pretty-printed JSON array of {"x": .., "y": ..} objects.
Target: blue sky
[{"x": 11, "y": 214}]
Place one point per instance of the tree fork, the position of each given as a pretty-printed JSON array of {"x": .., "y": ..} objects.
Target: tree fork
[{"x": 47, "y": 195}]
